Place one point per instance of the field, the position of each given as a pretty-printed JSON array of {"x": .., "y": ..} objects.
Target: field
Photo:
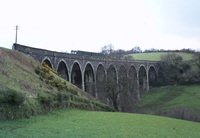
[
  {"x": 174, "y": 101},
  {"x": 80, "y": 123},
  {"x": 156, "y": 56}
]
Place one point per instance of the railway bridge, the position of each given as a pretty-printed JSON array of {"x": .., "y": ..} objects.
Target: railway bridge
[{"x": 93, "y": 73}]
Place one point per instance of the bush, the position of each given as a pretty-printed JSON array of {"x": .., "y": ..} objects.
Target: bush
[
  {"x": 74, "y": 92},
  {"x": 46, "y": 68},
  {"x": 50, "y": 77},
  {"x": 54, "y": 82},
  {"x": 61, "y": 86},
  {"x": 178, "y": 71},
  {"x": 37, "y": 70},
  {"x": 62, "y": 96},
  {"x": 13, "y": 97},
  {"x": 45, "y": 98}
]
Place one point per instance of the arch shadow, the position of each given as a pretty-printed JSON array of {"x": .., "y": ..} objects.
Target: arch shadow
[
  {"x": 62, "y": 69},
  {"x": 47, "y": 61},
  {"x": 89, "y": 81},
  {"x": 101, "y": 83},
  {"x": 152, "y": 76},
  {"x": 133, "y": 84},
  {"x": 76, "y": 75},
  {"x": 142, "y": 79}
]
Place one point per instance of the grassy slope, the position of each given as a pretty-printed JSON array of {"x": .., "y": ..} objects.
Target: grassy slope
[
  {"x": 174, "y": 101},
  {"x": 17, "y": 73},
  {"x": 79, "y": 123},
  {"x": 156, "y": 56}
]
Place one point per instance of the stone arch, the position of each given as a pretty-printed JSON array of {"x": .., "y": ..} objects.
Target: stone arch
[
  {"x": 122, "y": 77},
  {"x": 112, "y": 73},
  {"x": 142, "y": 76},
  {"x": 76, "y": 74},
  {"x": 101, "y": 82},
  {"x": 111, "y": 85},
  {"x": 123, "y": 88},
  {"x": 152, "y": 76},
  {"x": 48, "y": 62},
  {"x": 89, "y": 81},
  {"x": 62, "y": 70},
  {"x": 133, "y": 83}
]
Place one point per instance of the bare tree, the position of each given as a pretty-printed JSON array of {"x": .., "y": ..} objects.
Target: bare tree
[
  {"x": 136, "y": 49},
  {"x": 112, "y": 92},
  {"x": 107, "y": 49},
  {"x": 117, "y": 88},
  {"x": 119, "y": 54}
]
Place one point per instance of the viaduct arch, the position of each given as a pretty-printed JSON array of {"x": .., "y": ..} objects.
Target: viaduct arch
[{"x": 92, "y": 73}]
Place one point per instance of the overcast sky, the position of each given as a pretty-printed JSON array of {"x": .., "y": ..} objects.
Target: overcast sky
[{"x": 65, "y": 25}]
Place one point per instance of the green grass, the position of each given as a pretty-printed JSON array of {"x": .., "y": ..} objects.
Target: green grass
[
  {"x": 80, "y": 123},
  {"x": 174, "y": 101},
  {"x": 156, "y": 56}
]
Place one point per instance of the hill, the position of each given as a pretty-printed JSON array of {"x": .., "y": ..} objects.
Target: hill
[
  {"x": 27, "y": 88},
  {"x": 173, "y": 101},
  {"x": 156, "y": 56},
  {"x": 79, "y": 123}
]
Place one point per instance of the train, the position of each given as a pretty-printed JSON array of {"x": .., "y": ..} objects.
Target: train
[{"x": 86, "y": 53}]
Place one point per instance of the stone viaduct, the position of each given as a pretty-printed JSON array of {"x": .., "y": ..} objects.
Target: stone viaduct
[{"x": 92, "y": 74}]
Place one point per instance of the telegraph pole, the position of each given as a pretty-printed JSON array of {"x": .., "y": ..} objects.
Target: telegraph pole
[{"x": 16, "y": 28}]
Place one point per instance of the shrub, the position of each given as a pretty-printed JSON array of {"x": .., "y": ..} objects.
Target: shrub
[
  {"x": 177, "y": 71},
  {"x": 61, "y": 86},
  {"x": 45, "y": 98},
  {"x": 63, "y": 96},
  {"x": 47, "y": 68},
  {"x": 54, "y": 82},
  {"x": 50, "y": 77},
  {"x": 46, "y": 76},
  {"x": 37, "y": 70},
  {"x": 74, "y": 92},
  {"x": 13, "y": 97}
]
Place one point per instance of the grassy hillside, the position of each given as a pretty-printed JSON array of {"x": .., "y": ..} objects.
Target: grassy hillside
[
  {"x": 156, "y": 56},
  {"x": 79, "y": 123},
  {"x": 27, "y": 88},
  {"x": 173, "y": 101}
]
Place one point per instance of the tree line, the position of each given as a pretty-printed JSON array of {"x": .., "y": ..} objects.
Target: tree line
[{"x": 109, "y": 50}]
